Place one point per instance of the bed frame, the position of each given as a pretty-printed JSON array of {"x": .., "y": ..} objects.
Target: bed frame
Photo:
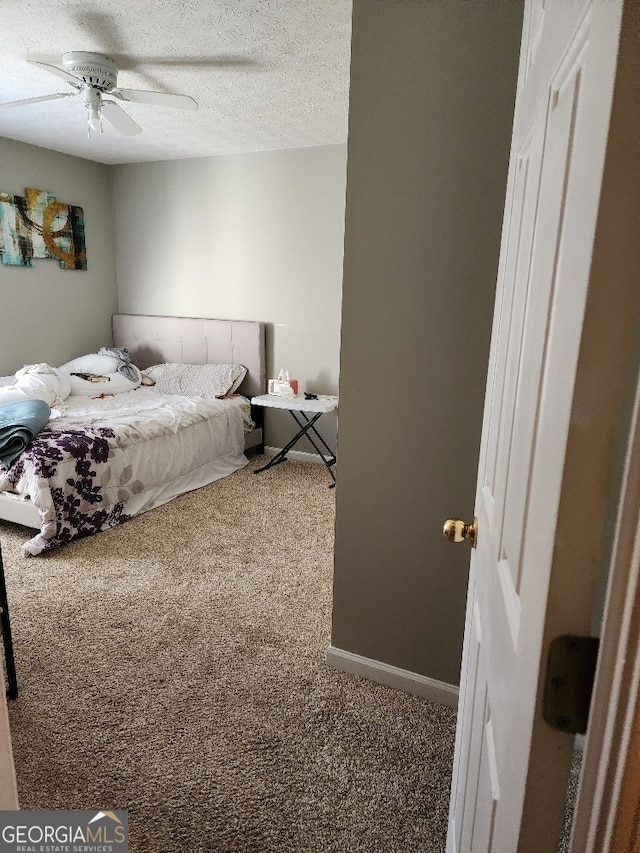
[{"x": 189, "y": 340}]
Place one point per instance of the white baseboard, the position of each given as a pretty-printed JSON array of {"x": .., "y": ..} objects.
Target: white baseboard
[
  {"x": 392, "y": 676},
  {"x": 300, "y": 455}
]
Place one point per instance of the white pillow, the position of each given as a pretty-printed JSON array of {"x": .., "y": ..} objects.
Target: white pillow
[
  {"x": 92, "y": 363},
  {"x": 196, "y": 380},
  {"x": 98, "y": 365}
]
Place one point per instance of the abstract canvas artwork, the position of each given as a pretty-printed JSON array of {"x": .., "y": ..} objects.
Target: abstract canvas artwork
[{"x": 36, "y": 225}]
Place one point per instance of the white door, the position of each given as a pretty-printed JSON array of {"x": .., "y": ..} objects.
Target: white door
[{"x": 529, "y": 578}]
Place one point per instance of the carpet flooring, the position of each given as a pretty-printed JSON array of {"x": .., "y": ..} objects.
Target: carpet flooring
[{"x": 175, "y": 667}]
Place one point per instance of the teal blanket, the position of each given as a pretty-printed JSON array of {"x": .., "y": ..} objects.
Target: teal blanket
[{"x": 19, "y": 423}]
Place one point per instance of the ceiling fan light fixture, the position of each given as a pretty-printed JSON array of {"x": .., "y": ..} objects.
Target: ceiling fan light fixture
[
  {"x": 93, "y": 103},
  {"x": 95, "y": 119}
]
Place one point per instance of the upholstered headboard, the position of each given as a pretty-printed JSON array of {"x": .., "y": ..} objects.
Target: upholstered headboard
[{"x": 189, "y": 340}]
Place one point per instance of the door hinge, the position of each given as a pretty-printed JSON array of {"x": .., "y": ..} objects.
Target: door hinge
[{"x": 571, "y": 668}]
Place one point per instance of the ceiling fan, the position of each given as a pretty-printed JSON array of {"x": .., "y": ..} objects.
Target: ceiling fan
[{"x": 93, "y": 76}]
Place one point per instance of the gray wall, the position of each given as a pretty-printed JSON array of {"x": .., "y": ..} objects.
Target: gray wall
[
  {"x": 47, "y": 313},
  {"x": 248, "y": 237},
  {"x": 431, "y": 103}
]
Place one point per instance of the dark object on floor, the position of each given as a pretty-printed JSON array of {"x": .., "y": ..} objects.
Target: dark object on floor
[{"x": 7, "y": 641}]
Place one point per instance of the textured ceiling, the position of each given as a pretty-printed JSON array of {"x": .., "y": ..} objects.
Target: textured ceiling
[{"x": 267, "y": 74}]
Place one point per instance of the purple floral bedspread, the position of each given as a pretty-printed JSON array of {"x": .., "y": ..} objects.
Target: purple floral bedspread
[{"x": 74, "y": 467}]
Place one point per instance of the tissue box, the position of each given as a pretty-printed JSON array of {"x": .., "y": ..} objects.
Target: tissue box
[{"x": 283, "y": 387}]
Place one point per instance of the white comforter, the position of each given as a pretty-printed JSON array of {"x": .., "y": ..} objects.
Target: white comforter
[
  {"x": 37, "y": 382},
  {"x": 102, "y": 461}
]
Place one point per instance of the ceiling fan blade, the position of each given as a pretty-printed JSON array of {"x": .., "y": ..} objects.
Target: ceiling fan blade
[
  {"x": 37, "y": 100},
  {"x": 116, "y": 116},
  {"x": 60, "y": 72},
  {"x": 159, "y": 99}
]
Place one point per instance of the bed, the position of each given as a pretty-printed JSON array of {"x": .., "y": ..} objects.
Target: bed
[{"x": 109, "y": 457}]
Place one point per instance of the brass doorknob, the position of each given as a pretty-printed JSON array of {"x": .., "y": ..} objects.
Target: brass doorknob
[{"x": 455, "y": 530}]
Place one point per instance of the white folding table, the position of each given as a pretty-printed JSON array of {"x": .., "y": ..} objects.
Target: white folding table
[{"x": 305, "y": 413}]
